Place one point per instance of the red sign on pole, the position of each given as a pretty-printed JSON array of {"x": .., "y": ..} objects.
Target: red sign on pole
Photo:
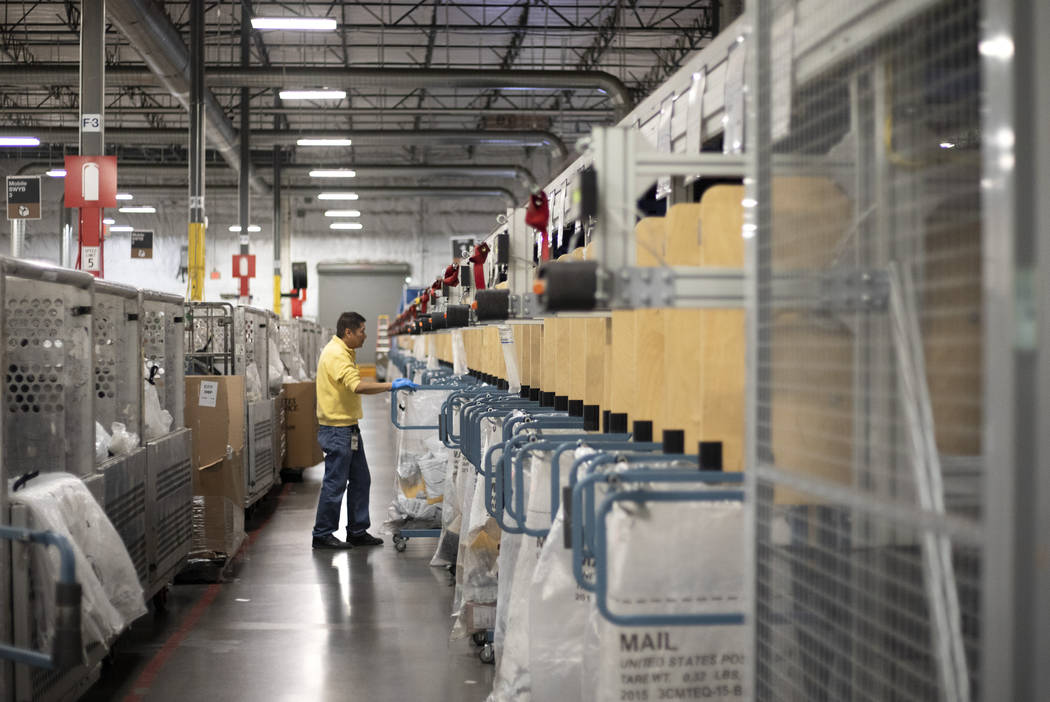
[{"x": 91, "y": 181}]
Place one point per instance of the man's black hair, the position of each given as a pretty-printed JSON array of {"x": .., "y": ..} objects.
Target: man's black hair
[{"x": 348, "y": 320}]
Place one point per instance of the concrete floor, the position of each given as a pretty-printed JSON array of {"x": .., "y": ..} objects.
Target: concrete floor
[{"x": 292, "y": 624}]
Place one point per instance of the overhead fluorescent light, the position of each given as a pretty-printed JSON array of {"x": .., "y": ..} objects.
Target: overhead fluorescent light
[
  {"x": 341, "y": 173},
  {"x": 947, "y": 145},
  {"x": 57, "y": 173},
  {"x": 342, "y": 213},
  {"x": 345, "y": 225},
  {"x": 122, "y": 228},
  {"x": 312, "y": 94},
  {"x": 235, "y": 227},
  {"x": 125, "y": 196},
  {"x": 337, "y": 196},
  {"x": 295, "y": 24},
  {"x": 108, "y": 220},
  {"x": 254, "y": 228},
  {"x": 323, "y": 142},
  {"x": 19, "y": 141},
  {"x": 138, "y": 209}
]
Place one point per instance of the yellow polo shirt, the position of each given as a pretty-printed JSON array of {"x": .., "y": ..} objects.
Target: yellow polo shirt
[{"x": 338, "y": 404}]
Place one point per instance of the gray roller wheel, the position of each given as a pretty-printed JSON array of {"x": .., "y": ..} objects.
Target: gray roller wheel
[
  {"x": 487, "y": 654},
  {"x": 400, "y": 544}
]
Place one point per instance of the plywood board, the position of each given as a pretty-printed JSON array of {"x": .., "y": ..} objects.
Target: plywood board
[
  {"x": 623, "y": 373},
  {"x": 648, "y": 402},
  {"x": 563, "y": 356},
  {"x": 549, "y": 362},
  {"x": 577, "y": 357},
  {"x": 597, "y": 338}
]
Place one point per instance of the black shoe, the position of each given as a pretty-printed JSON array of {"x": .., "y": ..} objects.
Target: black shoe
[
  {"x": 364, "y": 539},
  {"x": 331, "y": 542}
]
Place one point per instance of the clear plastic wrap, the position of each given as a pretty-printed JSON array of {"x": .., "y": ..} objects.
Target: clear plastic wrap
[
  {"x": 252, "y": 383},
  {"x": 102, "y": 443},
  {"x": 459, "y": 353},
  {"x": 276, "y": 370},
  {"x": 112, "y": 596},
  {"x": 124, "y": 442},
  {"x": 218, "y": 528},
  {"x": 651, "y": 571},
  {"x": 451, "y": 516},
  {"x": 157, "y": 419}
]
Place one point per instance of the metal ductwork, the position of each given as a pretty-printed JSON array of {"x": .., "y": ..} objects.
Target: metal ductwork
[
  {"x": 158, "y": 42},
  {"x": 383, "y": 191},
  {"x": 268, "y": 138},
  {"x": 139, "y": 16},
  {"x": 520, "y": 173}
]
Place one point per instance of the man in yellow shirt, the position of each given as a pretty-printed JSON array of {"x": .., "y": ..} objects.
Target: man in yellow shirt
[{"x": 339, "y": 390}]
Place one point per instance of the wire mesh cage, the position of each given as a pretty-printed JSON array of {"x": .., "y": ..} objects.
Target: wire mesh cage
[
  {"x": 163, "y": 347},
  {"x": 47, "y": 330},
  {"x": 312, "y": 340},
  {"x": 868, "y": 409},
  {"x": 210, "y": 338},
  {"x": 118, "y": 366}
]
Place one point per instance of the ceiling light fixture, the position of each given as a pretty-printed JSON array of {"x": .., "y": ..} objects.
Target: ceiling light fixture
[
  {"x": 295, "y": 24},
  {"x": 235, "y": 227},
  {"x": 342, "y": 213},
  {"x": 312, "y": 94},
  {"x": 125, "y": 196},
  {"x": 323, "y": 142},
  {"x": 108, "y": 220},
  {"x": 122, "y": 228},
  {"x": 19, "y": 141},
  {"x": 254, "y": 228},
  {"x": 345, "y": 225},
  {"x": 138, "y": 209},
  {"x": 341, "y": 173},
  {"x": 337, "y": 196},
  {"x": 947, "y": 145},
  {"x": 57, "y": 173}
]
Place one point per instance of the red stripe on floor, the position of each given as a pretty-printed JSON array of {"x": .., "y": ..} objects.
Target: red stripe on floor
[{"x": 149, "y": 674}]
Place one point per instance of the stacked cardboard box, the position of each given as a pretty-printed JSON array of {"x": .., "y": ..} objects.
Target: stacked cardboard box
[
  {"x": 300, "y": 413},
  {"x": 215, "y": 412}
]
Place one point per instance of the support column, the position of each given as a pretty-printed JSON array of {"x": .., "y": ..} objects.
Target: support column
[
  {"x": 18, "y": 235},
  {"x": 92, "y": 118},
  {"x": 196, "y": 225},
  {"x": 277, "y": 230},
  {"x": 244, "y": 187}
]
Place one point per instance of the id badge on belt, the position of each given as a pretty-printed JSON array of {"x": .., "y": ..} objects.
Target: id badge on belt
[{"x": 355, "y": 441}]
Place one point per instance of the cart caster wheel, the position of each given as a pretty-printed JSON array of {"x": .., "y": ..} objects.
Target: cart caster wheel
[
  {"x": 487, "y": 654},
  {"x": 479, "y": 638},
  {"x": 160, "y": 600},
  {"x": 400, "y": 544}
]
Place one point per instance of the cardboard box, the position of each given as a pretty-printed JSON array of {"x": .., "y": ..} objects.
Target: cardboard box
[
  {"x": 300, "y": 416},
  {"x": 218, "y": 527},
  {"x": 215, "y": 413},
  {"x": 222, "y": 479}
]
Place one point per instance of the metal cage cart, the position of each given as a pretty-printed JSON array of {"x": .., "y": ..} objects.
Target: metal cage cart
[
  {"x": 169, "y": 477},
  {"x": 210, "y": 342},
  {"x": 120, "y": 482},
  {"x": 47, "y": 427},
  {"x": 279, "y": 440},
  {"x": 251, "y": 328},
  {"x": 311, "y": 342}
]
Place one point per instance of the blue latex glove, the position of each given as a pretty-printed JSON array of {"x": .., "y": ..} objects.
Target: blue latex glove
[{"x": 404, "y": 384}]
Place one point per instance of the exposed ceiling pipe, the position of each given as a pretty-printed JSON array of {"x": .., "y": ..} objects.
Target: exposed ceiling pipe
[
  {"x": 307, "y": 76},
  {"x": 384, "y": 191},
  {"x": 158, "y": 42},
  {"x": 597, "y": 113},
  {"x": 361, "y": 137}
]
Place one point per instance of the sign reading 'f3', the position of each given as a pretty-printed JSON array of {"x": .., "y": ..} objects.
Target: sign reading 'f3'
[{"x": 91, "y": 181}]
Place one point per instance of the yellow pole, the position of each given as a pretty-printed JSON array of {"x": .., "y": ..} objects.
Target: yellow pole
[
  {"x": 277, "y": 294},
  {"x": 196, "y": 260}
]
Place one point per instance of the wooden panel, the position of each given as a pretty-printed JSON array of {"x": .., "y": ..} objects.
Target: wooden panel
[
  {"x": 812, "y": 362},
  {"x": 705, "y": 351},
  {"x": 577, "y": 357},
  {"x": 597, "y": 338},
  {"x": 623, "y": 374},
  {"x": 536, "y": 355},
  {"x": 550, "y": 355},
  {"x": 563, "y": 356},
  {"x": 648, "y": 402},
  {"x": 525, "y": 339}
]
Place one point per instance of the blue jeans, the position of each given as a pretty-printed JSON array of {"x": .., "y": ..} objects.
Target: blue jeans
[{"x": 346, "y": 471}]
